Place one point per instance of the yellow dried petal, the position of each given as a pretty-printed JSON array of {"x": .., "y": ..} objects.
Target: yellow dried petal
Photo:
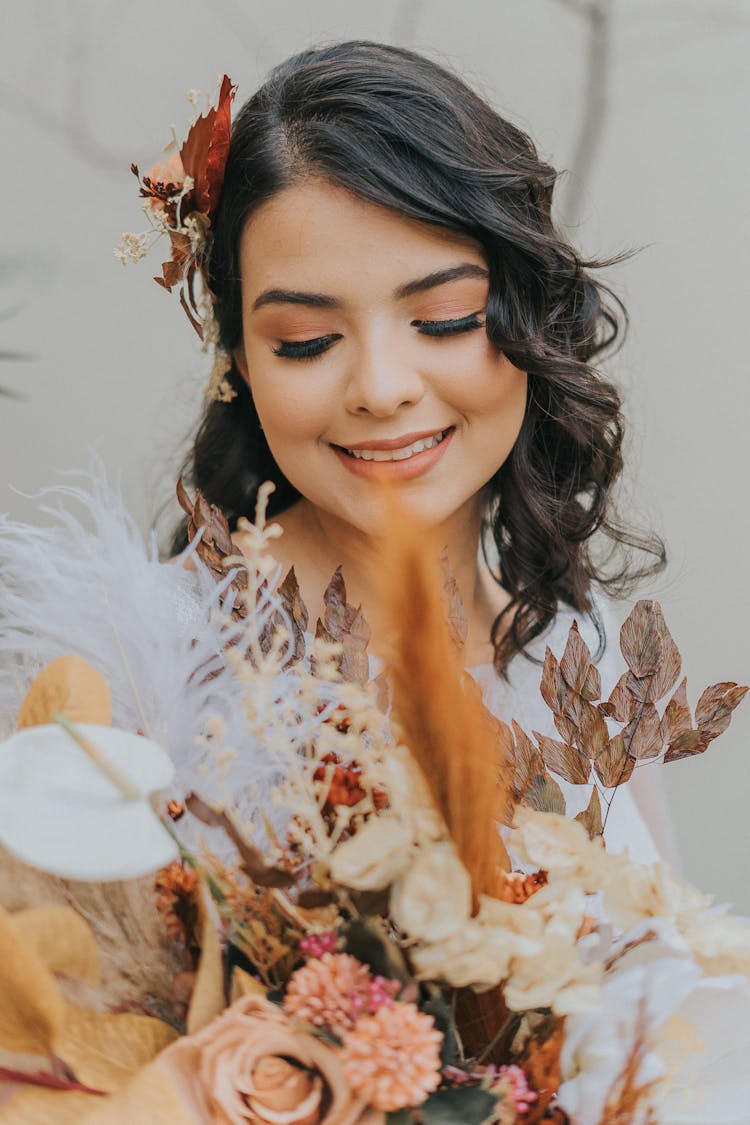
[
  {"x": 207, "y": 1000},
  {"x": 106, "y": 1049},
  {"x": 71, "y": 687},
  {"x": 245, "y": 985},
  {"x": 32, "y": 1105},
  {"x": 32, "y": 1009},
  {"x": 61, "y": 939},
  {"x": 150, "y": 1097}
]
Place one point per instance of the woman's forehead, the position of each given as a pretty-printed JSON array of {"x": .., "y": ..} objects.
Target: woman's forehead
[{"x": 317, "y": 231}]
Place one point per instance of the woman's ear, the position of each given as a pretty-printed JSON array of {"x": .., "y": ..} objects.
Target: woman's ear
[{"x": 240, "y": 362}]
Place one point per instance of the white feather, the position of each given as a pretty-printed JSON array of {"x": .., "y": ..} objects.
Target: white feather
[{"x": 152, "y": 629}]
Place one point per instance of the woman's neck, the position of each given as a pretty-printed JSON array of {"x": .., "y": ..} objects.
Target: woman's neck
[{"x": 316, "y": 543}]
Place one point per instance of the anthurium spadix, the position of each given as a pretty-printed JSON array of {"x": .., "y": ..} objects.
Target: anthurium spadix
[{"x": 76, "y": 801}]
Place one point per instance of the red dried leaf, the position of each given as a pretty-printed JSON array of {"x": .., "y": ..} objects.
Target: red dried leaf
[
  {"x": 640, "y": 639},
  {"x": 713, "y": 712},
  {"x": 204, "y": 152},
  {"x": 677, "y": 719},
  {"x": 566, "y": 728},
  {"x": 643, "y": 736},
  {"x": 591, "y": 817},
  {"x": 565, "y": 760},
  {"x": 614, "y": 766}
]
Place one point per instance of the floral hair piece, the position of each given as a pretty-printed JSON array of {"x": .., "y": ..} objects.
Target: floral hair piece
[{"x": 181, "y": 195}]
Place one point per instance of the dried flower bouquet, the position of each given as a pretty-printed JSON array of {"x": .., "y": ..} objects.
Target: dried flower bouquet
[{"x": 363, "y": 900}]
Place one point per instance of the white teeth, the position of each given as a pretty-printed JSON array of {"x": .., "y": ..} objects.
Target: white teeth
[{"x": 397, "y": 454}]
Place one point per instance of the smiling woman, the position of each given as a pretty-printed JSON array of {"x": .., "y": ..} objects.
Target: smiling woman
[{"x": 398, "y": 307}]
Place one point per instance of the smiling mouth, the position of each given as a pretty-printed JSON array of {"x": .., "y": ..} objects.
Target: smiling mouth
[{"x": 402, "y": 454}]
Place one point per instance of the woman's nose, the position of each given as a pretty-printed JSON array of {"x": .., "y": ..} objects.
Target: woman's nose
[{"x": 381, "y": 379}]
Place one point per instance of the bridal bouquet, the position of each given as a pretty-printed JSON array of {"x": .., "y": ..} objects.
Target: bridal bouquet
[{"x": 249, "y": 881}]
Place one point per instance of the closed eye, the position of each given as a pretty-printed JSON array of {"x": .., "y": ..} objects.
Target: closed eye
[
  {"x": 449, "y": 327},
  {"x": 304, "y": 349},
  {"x": 309, "y": 349}
]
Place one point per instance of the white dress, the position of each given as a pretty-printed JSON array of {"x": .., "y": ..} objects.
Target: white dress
[{"x": 519, "y": 698}]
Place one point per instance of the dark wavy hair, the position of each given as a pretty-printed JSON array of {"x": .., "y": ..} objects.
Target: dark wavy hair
[{"x": 398, "y": 130}]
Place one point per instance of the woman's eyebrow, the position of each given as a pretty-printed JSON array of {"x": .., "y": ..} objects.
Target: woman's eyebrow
[
  {"x": 323, "y": 301},
  {"x": 439, "y": 277}
]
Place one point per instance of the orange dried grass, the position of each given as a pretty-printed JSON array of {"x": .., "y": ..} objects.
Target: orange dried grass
[{"x": 461, "y": 749}]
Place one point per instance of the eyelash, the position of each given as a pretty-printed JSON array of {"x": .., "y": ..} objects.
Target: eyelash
[{"x": 309, "y": 349}]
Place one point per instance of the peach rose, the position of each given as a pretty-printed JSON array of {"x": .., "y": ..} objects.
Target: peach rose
[{"x": 250, "y": 1067}]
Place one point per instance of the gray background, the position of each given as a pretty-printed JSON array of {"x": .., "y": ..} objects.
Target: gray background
[{"x": 645, "y": 100}]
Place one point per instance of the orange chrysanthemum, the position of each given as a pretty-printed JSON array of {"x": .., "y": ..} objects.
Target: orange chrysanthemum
[
  {"x": 392, "y": 1059},
  {"x": 326, "y": 990}
]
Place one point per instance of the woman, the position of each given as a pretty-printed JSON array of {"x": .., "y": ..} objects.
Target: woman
[{"x": 398, "y": 306}]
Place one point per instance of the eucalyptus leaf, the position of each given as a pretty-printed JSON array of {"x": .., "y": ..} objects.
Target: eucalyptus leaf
[{"x": 466, "y": 1105}]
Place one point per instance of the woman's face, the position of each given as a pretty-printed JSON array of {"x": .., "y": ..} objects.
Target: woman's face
[{"x": 366, "y": 355}]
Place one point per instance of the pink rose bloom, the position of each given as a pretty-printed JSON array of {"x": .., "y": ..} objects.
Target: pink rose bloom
[{"x": 250, "y": 1067}]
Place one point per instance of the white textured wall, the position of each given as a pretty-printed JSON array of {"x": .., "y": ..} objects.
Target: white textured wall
[{"x": 113, "y": 360}]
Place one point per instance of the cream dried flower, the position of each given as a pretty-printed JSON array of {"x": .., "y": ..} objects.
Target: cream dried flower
[
  {"x": 377, "y": 854},
  {"x": 432, "y": 899},
  {"x": 325, "y": 990},
  {"x": 392, "y": 1059}
]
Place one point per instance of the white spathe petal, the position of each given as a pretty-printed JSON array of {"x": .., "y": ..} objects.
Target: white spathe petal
[
  {"x": 60, "y": 812},
  {"x": 706, "y": 1047}
]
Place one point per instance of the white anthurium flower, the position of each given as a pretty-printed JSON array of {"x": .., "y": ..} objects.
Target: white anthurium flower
[
  {"x": 706, "y": 1049},
  {"x": 599, "y": 1042},
  {"x": 66, "y": 814}
]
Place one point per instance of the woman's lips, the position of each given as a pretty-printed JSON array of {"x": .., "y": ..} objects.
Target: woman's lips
[{"x": 404, "y": 469}]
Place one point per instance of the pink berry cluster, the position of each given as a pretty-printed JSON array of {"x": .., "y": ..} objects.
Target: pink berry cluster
[
  {"x": 511, "y": 1081},
  {"x": 380, "y": 992},
  {"x": 315, "y": 945}
]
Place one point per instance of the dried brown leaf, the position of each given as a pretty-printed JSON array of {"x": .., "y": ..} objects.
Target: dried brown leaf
[
  {"x": 553, "y": 687},
  {"x": 614, "y": 766},
  {"x": 526, "y": 760},
  {"x": 564, "y": 759},
  {"x": 640, "y": 639},
  {"x": 291, "y": 598},
  {"x": 643, "y": 735},
  {"x": 252, "y": 862},
  {"x": 593, "y": 735},
  {"x": 577, "y": 670},
  {"x": 686, "y": 746},
  {"x": 621, "y": 704},
  {"x": 677, "y": 719},
  {"x": 457, "y": 621},
  {"x": 345, "y": 624},
  {"x": 713, "y": 711},
  {"x": 544, "y": 795},
  {"x": 591, "y": 817}
]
